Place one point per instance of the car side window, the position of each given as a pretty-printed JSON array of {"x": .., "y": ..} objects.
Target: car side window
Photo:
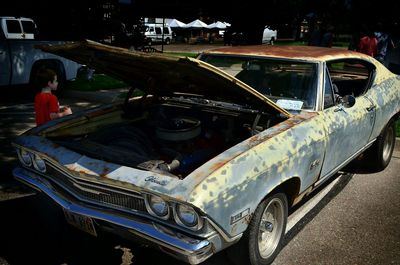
[
  {"x": 351, "y": 76},
  {"x": 329, "y": 99}
]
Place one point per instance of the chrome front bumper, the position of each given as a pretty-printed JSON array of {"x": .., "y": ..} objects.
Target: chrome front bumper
[{"x": 188, "y": 249}]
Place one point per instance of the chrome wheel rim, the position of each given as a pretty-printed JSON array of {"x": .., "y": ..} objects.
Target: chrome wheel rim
[
  {"x": 270, "y": 228},
  {"x": 388, "y": 144}
]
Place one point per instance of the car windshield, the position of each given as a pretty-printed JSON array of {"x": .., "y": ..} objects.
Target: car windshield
[{"x": 291, "y": 84}]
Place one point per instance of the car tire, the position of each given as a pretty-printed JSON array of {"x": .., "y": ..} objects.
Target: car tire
[
  {"x": 167, "y": 41},
  {"x": 380, "y": 153},
  {"x": 262, "y": 241}
]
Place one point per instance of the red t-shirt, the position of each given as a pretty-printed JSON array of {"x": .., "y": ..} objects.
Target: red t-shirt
[
  {"x": 368, "y": 45},
  {"x": 45, "y": 103}
]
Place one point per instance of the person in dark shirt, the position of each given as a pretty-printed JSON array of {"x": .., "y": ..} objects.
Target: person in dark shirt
[{"x": 384, "y": 44}]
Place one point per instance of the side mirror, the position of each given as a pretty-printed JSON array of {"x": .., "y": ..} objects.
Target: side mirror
[{"x": 348, "y": 101}]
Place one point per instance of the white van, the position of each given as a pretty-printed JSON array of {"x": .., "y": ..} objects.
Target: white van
[
  {"x": 269, "y": 35},
  {"x": 18, "y": 28},
  {"x": 154, "y": 33}
]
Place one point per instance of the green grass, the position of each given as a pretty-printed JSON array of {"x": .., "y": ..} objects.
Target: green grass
[
  {"x": 336, "y": 44},
  {"x": 186, "y": 54},
  {"x": 99, "y": 82},
  {"x": 290, "y": 43}
]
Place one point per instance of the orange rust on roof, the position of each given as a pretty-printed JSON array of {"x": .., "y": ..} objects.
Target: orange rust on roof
[{"x": 290, "y": 52}]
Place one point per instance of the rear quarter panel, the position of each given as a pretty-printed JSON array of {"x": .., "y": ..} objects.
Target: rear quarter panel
[{"x": 385, "y": 94}]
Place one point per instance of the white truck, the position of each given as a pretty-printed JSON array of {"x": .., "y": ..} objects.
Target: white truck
[
  {"x": 20, "y": 60},
  {"x": 157, "y": 32},
  {"x": 269, "y": 35}
]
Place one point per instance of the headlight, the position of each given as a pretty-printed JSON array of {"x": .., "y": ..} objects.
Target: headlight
[
  {"x": 39, "y": 164},
  {"x": 25, "y": 157},
  {"x": 157, "y": 206},
  {"x": 187, "y": 216}
]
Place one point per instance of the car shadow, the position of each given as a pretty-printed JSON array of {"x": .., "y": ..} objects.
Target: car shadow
[
  {"x": 360, "y": 165},
  {"x": 344, "y": 179}
]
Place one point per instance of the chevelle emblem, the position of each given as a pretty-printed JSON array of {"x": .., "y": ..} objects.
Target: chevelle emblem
[
  {"x": 156, "y": 180},
  {"x": 314, "y": 164}
]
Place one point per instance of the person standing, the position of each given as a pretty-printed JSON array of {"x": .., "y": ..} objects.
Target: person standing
[
  {"x": 327, "y": 37},
  {"x": 384, "y": 43},
  {"x": 47, "y": 106},
  {"x": 367, "y": 43}
]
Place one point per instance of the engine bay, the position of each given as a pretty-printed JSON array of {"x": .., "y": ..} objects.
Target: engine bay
[{"x": 169, "y": 137}]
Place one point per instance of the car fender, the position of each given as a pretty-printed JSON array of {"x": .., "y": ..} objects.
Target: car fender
[{"x": 232, "y": 192}]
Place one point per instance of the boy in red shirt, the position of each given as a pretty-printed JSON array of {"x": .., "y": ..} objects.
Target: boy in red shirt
[{"x": 46, "y": 104}]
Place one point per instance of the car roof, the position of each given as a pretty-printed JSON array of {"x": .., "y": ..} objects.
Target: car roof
[
  {"x": 17, "y": 18},
  {"x": 309, "y": 53}
]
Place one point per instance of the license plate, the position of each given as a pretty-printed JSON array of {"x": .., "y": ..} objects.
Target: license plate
[{"x": 82, "y": 222}]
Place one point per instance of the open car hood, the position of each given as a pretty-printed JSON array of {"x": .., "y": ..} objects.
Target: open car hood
[{"x": 164, "y": 75}]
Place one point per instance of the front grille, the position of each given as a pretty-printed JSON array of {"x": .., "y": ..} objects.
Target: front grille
[{"x": 95, "y": 193}]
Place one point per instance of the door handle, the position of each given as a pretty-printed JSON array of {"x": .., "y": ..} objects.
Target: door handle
[{"x": 371, "y": 108}]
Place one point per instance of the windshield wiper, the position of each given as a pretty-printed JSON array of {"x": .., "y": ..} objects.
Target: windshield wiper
[{"x": 211, "y": 103}]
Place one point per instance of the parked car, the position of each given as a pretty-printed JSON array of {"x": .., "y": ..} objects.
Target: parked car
[
  {"x": 156, "y": 33},
  {"x": 20, "y": 60},
  {"x": 217, "y": 149},
  {"x": 269, "y": 35}
]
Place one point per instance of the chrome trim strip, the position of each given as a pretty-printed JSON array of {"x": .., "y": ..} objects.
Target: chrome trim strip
[
  {"x": 222, "y": 233},
  {"x": 143, "y": 229}
]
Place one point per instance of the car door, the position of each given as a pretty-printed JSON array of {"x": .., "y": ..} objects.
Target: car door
[
  {"x": 348, "y": 129},
  {"x": 5, "y": 69},
  {"x": 158, "y": 33}
]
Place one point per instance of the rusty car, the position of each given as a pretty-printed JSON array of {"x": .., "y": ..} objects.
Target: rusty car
[{"x": 211, "y": 153}]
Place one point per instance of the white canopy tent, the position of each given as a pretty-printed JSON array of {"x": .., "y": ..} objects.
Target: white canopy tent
[
  {"x": 177, "y": 24},
  {"x": 217, "y": 25},
  {"x": 227, "y": 24},
  {"x": 196, "y": 24}
]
